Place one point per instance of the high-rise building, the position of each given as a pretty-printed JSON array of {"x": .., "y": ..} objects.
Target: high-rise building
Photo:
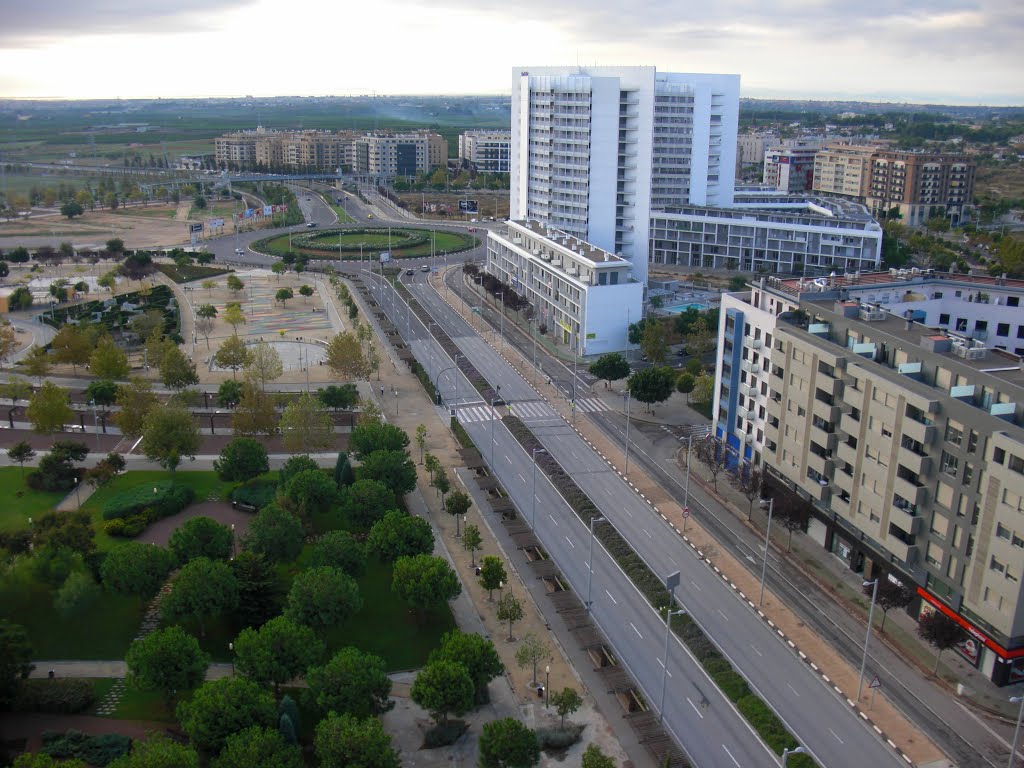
[
  {"x": 594, "y": 149},
  {"x": 842, "y": 170},
  {"x": 790, "y": 168},
  {"x": 920, "y": 185},
  {"x": 487, "y": 151}
]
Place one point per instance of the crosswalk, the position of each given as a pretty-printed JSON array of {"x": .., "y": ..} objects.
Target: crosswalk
[
  {"x": 468, "y": 414},
  {"x": 591, "y": 404},
  {"x": 528, "y": 410}
]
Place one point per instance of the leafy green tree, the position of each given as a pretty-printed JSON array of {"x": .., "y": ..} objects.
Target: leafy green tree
[
  {"x": 565, "y": 702},
  {"x": 235, "y": 284},
  {"x": 277, "y": 652},
  {"x": 278, "y": 268},
  {"x": 229, "y": 394},
  {"x": 102, "y": 392},
  {"x": 207, "y": 311},
  {"x": 15, "y": 660},
  {"x": 255, "y": 414},
  {"x": 425, "y": 582},
  {"x": 531, "y": 651},
  {"x": 399, "y": 534},
  {"x": 259, "y": 594},
  {"x": 365, "y": 502},
  {"x": 312, "y": 493},
  {"x": 684, "y": 384},
  {"x": 77, "y": 594},
  {"x": 476, "y": 654},
  {"x": 653, "y": 342},
  {"x": 234, "y": 316},
  {"x": 257, "y": 747},
  {"x": 392, "y": 468},
  {"x": 700, "y": 339},
  {"x": 276, "y": 534},
  {"x": 352, "y": 683},
  {"x": 135, "y": 568},
  {"x": 652, "y": 385},
  {"x": 507, "y": 743},
  {"x": 492, "y": 574},
  {"x": 339, "y": 397},
  {"x": 177, "y": 371},
  {"x": 306, "y": 425},
  {"x": 458, "y": 503},
  {"x": 204, "y": 588},
  {"x": 421, "y": 439},
  {"x": 168, "y": 660},
  {"x": 55, "y": 471},
  {"x": 70, "y": 209},
  {"x": 169, "y": 435},
  {"x": 232, "y": 354},
  {"x": 890, "y": 595},
  {"x": 48, "y": 410},
  {"x": 71, "y": 346},
  {"x": 241, "y": 460},
  {"x": 342, "y": 741},
  {"x": 694, "y": 367},
  {"x": 293, "y": 466},
  {"x": 376, "y": 436},
  {"x": 471, "y": 542},
  {"x": 343, "y": 474},
  {"x": 510, "y": 610},
  {"x": 339, "y": 549},
  {"x": 36, "y": 363},
  {"x": 443, "y": 688},
  {"x": 306, "y": 291},
  {"x": 323, "y": 597},
  {"x": 610, "y": 367},
  {"x": 157, "y": 751},
  {"x": 221, "y": 708},
  {"x": 136, "y": 400},
  {"x": 703, "y": 388},
  {"x": 940, "y": 632},
  {"x": 283, "y": 295},
  {"x": 345, "y": 358},
  {"x": 200, "y": 537},
  {"x": 21, "y": 452},
  {"x": 263, "y": 364}
]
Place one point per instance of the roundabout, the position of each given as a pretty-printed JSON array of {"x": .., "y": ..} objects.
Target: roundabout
[{"x": 356, "y": 243}]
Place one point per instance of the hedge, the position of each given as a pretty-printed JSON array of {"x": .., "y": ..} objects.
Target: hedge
[
  {"x": 162, "y": 499},
  {"x": 258, "y": 493},
  {"x": 57, "y": 697},
  {"x": 94, "y": 750}
]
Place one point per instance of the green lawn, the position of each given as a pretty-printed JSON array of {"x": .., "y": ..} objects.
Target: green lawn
[
  {"x": 21, "y": 501},
  {"x": 138, "y": 704},
  {"x": 449, "y": 242}
]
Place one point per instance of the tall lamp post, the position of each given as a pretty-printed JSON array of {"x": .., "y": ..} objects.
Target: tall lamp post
[
  {"x": 533, "y": 524},
  {"x": 671, "y": 582},
  {"x": 767, "y": 539},
  {"x": 501, "y": 316},
  {"x": 95, "y": 424},
  {"x": 493, "y": 401},
  {"x": 867, "y": 637},
  {"x": 787, "y": 752},
  {"x": 590, "y": 560},
  {"x": 1016, "y": 731},
  {"x": 627, "y": 396}
]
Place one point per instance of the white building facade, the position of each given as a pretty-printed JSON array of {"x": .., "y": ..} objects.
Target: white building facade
[
  {"x": 487, "y": 151},
  {"x": 594, "y": 149},
  {"x": 582, "y": 293}
]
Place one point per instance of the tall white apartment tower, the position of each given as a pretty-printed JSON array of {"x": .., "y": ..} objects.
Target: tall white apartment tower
[{"x": 596, "y": 149}]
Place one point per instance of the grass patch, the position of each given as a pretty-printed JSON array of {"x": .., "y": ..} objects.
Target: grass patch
[
  {"x": 20, "y": 501},
  {"x": 373, "y": 244},
  {"x": 101, "y": 686},
  {"x": 214, "y": 210},
  {"x": 191, "y": 272},
  {"x": 137, "y": 704},
  {"x": 704, "y": 409}
]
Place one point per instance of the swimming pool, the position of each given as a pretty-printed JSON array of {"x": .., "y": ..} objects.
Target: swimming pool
[{"x": 678, "y": 309}]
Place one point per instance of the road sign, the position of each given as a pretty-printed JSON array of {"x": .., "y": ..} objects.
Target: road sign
[
  {"x": 195, "y": 227},
  {"x": 686, "y": 511},
  {"x": 468, "y": 206},
  {"x": 875, "y": 682}
]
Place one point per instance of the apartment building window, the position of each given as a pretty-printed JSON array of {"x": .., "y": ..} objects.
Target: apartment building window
[
  {"x": 944, "y": 319},
  {"x": 1003, "y": 329},
  {"x": 1013, "y": 301},
  {"x": 1016, "y": 464},
  {"x": 949, "y": 463},
  {"x": 968, "y": 474},
  {"x": 954, "y": 435},
  {"x": 972, "y": 441},
  {"x": 1003, "y": 532},
  {"x": 1017, "y": 541},
  {"x": 995, "y": 565},
  {"x": 998, "y": 455}
]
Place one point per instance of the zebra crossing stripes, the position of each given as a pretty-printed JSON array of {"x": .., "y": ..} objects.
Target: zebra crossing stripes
[
  {"x": 474, "y": 413},
  {"x": 591, "y": 404},
  {"x": 532, "y": 410}
]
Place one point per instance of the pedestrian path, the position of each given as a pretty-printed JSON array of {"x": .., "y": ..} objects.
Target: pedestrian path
[
  {"x": 591, "y": 404},
  {"x": 532, "y": 410},
  {"x": 474, "y": 413}
]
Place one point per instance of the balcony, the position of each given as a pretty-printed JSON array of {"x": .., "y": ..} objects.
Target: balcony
[
  {"x": 825, "y": 467},
  {"x": 826, "y": 411},
  {"x": 822, "y": 493},
  {"x": 915, "y": 462},
  {"x": 908, "y": 553},
  {"x": 846, "y": 453},
  {"x": 914, "y": 493},
  {"x": 833, "y": 387},
  {"x": 829, "y": 440},
  {"x": 915, "y": 430},
  {"x": 843, "y": 482},
  {"x": 905, "y": 520},
  {"x": 849, "y": 425}
]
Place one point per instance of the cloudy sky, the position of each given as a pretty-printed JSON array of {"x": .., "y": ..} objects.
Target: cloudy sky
[{"x": 950, "y": 51}]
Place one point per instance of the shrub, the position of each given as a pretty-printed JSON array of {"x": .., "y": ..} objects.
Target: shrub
[
  {"x": 257, "y": 493},
  {"x": 559, "y": 738},
  {"x": 732, "y": 685},
  {"x": 163, "y": 499},
  {"x": 114, "y": 527},
  {"x": 58, "y": 697},
  {"x": 94, "y": 750},
  {"x": 135, "y": 525}
]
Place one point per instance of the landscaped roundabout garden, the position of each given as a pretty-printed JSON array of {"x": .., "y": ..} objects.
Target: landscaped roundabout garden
[{"x": 362, "y": 242}]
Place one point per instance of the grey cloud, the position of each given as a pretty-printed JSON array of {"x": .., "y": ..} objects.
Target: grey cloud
[{"x": 32, "y": 22}]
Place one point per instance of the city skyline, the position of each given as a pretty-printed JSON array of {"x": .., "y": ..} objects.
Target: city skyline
[{"x": 949, "y": 51}]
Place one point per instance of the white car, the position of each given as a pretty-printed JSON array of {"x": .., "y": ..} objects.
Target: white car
[{"x": 239, "y": 250}]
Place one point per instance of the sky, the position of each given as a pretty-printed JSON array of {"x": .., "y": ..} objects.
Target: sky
[{"x": 935, "y": 51}]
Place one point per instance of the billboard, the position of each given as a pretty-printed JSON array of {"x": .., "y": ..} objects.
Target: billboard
[
  {"x": 468, "y": 206},
  {"x": 268, "y": 210},
  {"x": 195, "y": 227}
]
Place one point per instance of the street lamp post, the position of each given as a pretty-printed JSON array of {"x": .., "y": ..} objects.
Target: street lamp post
[
  {"x": 501, "y": 316},
  {"x": 867, "y": 637},
  {"x": 1016, "y": 731},
  {"x": 626, "y": 396},
  {"x": 787, "y": 752},
  {"x": 78, "y": 494},
  {"x": 493, "y": 401},
  {"x": 547, "y": 685},
  {"x": 590, "y": 560},
  {"x": 95, "y": 424},
  {"x": 686, "y": 488},
  {"x": 533, "y": 523},
  {"x": 231, "y": 650},
  {"x": 671, "y": 582},
  {"x": 767, "y": 538},
  {"x": 396, "y": 401}
]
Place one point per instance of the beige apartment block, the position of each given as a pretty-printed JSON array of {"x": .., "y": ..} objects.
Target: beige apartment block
[{"x": 843, "y": 170}]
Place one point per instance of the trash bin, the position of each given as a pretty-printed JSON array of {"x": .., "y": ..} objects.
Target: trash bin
[
  {"x": 478, "y": 570},
  {"x": 540, "y": 691}
]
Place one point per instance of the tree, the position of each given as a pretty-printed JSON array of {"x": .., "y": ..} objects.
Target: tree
[
  {"x": 294, "y": 466},
  {"x": 221, "y": 708},
  {"x": 792, "y": 515},
  {"x": 102, "y": 392},
  {"x": 593, "y": 757},
  {"x": 424, "y": 581},
  {"x": 257, "y": 747},
  {"x": 208, "y": 286},
  {"x": 713, "y": 454},
  {"x": 458, "y": 503},
  {"x": 443, "y": 688},
  {"x": 471, "y": 542},
  {"x": 392, "y": 468},
  {"x": 399, "y": 534},
  {"x": 137, "y": 265},
  {"x": 276, "y": 534},
  {"x": 306, "y": 425},
  {"x": 531, "y": 651},
  {"x": 115, "y": 246},
  {"x": 339, "y": 549},
  {"x": 342, "y": 741},
  {"x": 323, "y": 597},
  {"x": 204, "y": 588},
  {"x": 279, "y": 268},
  {"x": 684, "y": 384},
  {"x": 345, "y": 358},
  {"x": 703, "y": 388},
  {"x": 177, "y": 370},
  {"x": 351, "y": 683},
  {"x": 48, "y": 410},
  {"x": 255, "y": 414},
  {"x": 105, "y": 470},
  {"x": 890, "y": 595},
  {"x": 71, "y": 346},
  {"x": 168, "y": 660},
  {"x": 305, "y": 291},
  {"x": 200, "y": 537},
  {"x": 277, "y": 652},
  {"x": 258, "y": 590},
  {"x": 748, "y": 480},
  {"x": 343, "y": 474},
  {"x": 610, "y": 367},
  {"x": 135, "y": 568},
  {"x": 36, "y": 363},
  {"x": 365, "y": 502},
  {"x": 241, "y": 460},
  {"x": 565, "y": 701},
  {"x": 264, "y": 364},
  {"x": 476, "y": 654},
  {"x": 235, "y": 284},
  {"x": 700, "y": 339},
  {"x": 652, "y": 385},
  {"x": 15, "y": 389},
  {"x": 694, "y": 367},
  {"x": 653, "y": 342},
  {"x": 339, "y": 397},
  {"x": 510, "y": 610},
  {"x": 169, "y": 435},
  {"x": 55, "y": 471},
  {"x": 507, "y": 743},
  {"x": 21, "y": 452},
  {"x": 283, "y": 295},
  {"x": 311, "y": 493},
  {"x": 229, "y": 393},
  {"x": 15, "y": 660},
  {"x": 940, "y": 632},
  {"x": 204, "y": 327},
  {"x": 421, "y": 439},
  {"x": 492, "y": 574},
  {"x": 157, "y": 751},
  {"x": 376, "y": 436},
  {"x": 70, "y": 209},
  {"x": 234, "y": 316},
  {"x": 136, "y": 400},
  {"x": 108, "y": 280}
]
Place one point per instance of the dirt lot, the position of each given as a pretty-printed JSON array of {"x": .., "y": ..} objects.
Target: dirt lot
[{"x": 494, "y": 204}]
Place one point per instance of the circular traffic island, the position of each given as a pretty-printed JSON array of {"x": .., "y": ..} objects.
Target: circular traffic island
[{"x": 355, "y": 243}]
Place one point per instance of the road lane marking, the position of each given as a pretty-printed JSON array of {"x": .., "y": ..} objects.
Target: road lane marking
[
  {"x": 570, "y": 542},
  {"x": 836, "y": 735},
  {"x": 662, "y": 663},
  {"x": 522, "y": 478},
  {"x": 553, "y": 519},
  {"x": 730, "y": 756},
  {"x": 636, "y": 630},
  {"x": 695, "y": 708},
  {"x": 694, "y": 583},
  {"x": 793, "y": 689},
  {"x": 647, "y": 532},
  {"x": 722, "y": 614},
  {"x": 610, "y": 597},
  {"x": 755, "y": 650}
]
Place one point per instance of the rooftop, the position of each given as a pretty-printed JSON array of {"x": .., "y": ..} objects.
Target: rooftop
[
  {"x": 569, "y": 244},
  {"x": 831, "y": 286}
]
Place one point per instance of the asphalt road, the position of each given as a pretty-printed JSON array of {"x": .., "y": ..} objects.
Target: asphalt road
[{"x": 824, "y": 724}]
